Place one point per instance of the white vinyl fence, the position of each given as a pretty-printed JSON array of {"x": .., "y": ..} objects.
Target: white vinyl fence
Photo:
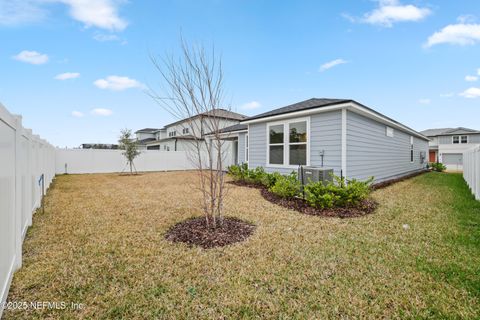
[
  {"x": 24, "y": 159},
  {"x": 471, "y": 170},
  {"x": 109, "y": 161}
]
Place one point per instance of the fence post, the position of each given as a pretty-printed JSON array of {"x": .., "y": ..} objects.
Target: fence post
[{"x": 18, "y": 192}]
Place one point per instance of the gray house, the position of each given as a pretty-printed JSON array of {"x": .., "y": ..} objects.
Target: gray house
[
  {"x": 448, "y": 144},
  {"x": 344, "y": 135}
]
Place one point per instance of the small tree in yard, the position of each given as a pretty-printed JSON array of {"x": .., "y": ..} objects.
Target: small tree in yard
[
  {"x": 129, "y": 147},
  {"x": 194, "y": 91}
]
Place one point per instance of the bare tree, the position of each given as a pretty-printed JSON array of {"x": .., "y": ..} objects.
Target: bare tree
[
  {"x": 193, "y": 91},
  {"x": 129, "y": 147}
]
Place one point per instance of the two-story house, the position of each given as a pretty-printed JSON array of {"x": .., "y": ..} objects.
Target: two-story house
[
  {"x": 179, "y": 135},
  {"x": 448, "y": 144}
]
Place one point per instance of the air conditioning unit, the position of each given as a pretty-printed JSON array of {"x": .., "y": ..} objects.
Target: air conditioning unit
[{"x": 314, "y": 174}]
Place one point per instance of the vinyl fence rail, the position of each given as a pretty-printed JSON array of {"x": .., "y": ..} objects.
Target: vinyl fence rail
[
  {"x": 471, "y": 170},
  {"x": 26, "y": 162}
]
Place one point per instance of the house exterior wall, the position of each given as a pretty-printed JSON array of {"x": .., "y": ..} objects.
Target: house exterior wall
[
  {"x": 370, "y": 152},
  {"x": 143, "y": 135},
  {"x": 472, "y": 139},
  {"x": 325, "y": 135},
  {"x": 195, "y": 126},
  {"x": 241, "y": 147}
]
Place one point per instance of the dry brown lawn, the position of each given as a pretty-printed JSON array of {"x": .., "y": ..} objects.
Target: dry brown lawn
[{"x": 101, "y": 243}]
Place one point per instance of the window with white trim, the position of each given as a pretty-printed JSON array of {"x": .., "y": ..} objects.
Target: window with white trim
[
  {"x": 288, "y": 143},
  {"x": 276, "y": 144},
  {"x": 297, "y": 144},
  {"x": 456, "y": 139},
  {"x": 463, "y": 139},
  {"x": 246, "y": 147},
  {"x": 411, "y": 149}
]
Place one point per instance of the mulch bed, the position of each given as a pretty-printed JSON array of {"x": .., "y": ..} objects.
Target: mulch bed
[
  {"x": 366, "y": 207},
  {"x": 387, "y": 183},
  {"x": 195, "y": 232}
]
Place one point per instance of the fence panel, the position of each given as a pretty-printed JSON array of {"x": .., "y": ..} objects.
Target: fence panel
[
  {"x": 109, "y": 161},
  {"x": 20, "y": 192},
  {"x": 471, "y": 170}
]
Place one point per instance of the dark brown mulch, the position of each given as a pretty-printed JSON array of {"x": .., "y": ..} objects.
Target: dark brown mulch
[
  {"x": 300, "y": 205},
  {"x": 387, "y": 183},
  {"x": 195, "y": 232}
]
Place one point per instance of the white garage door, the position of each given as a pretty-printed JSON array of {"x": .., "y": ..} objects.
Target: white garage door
[{"x": 453, "y": 161}]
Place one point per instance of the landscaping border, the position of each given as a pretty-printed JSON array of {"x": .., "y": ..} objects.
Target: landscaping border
[{"x": 367, "y": 206}]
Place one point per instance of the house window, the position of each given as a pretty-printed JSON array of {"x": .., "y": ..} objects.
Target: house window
[
  {"x": 246, "y": 147},
  {"x": 298, "y": 143},
  {"x": 411, "y": 149},
  {"x": 456, "y": 139},
  {"x": 276, "y": 144},
  {"x": 185, "y": 130},
  {"x": 464, "y": 139},
  {"x": 172, "y": 133},
  {"x": 288, "y": 143},
  {"x": 389, "y": 132}
]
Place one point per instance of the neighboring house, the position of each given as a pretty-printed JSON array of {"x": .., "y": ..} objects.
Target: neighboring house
[
  {"x": 98, "y": 146},
  {"x": 179, "y": 135},
  {"x": 448, "y": 144},
  {"x": 344, "y": 135}
]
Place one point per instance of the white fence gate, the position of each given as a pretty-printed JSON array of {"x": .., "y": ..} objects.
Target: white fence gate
[
  {"x": 24, "y": 159},
  {"x": 471, "y": 170}
]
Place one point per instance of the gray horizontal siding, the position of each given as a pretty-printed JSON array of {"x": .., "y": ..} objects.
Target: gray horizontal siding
[
  {"x": 326, "y": 136},
  {"x": 241, "y": 148},
  {"x": 472, "y": 138},
  {"x": 371, "y": 153}
]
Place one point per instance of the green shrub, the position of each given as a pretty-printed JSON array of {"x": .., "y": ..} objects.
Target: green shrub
[
  {"x": 269, "y": 179},
  {"x": 286, "y": 186},
  {"x": 238, "y": 172},
  {"x": 339, "y": 193},
  {"x": 255, "y": 176},
  {"x": 437, "y": 166}
]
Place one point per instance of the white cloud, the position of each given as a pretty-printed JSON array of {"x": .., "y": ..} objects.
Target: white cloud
[
  {"x": 478, "y": 71},
  {"x": 101, "y": 112},
  {"x": 32, "y": 57},
  {"x": 98, "y": 13},
  {"x": 67, "y": 75},
  {"x": 332, "y": 64},
  {"x": 18, "y": 12},
  {"x": 93, "y": 13},
  {"x": 117, "y": 83},
  {"x": 447, "y": 95},
  {"x": 471, "y": 93},
  {"x": 392, "y": 11},
  {"x": 462, "y": 34},
  {"x": 251, "y": 105},
  {"x": 424, "y": 101},
  {"x": 471, "y": 78},
  {"x": 101, "y": 37},
  {"x": 77, "y": 114}
]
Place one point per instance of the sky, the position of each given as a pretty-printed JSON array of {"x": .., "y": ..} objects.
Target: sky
[{"x": 78, "y": 70}]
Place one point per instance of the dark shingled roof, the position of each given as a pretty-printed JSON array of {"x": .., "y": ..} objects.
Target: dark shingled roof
[
  {"x": 145, "y": 141},
  {"x": 147, "y": 130},
  {"x": 235, "y": 127},
  {"x": 219, "y": 113},
  {"x": 304, "y": 105},
  {"x": 447, "y": 131},
  {"x": 314, "y": 103}
]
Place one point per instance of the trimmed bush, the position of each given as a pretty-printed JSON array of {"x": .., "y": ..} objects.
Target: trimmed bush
[
  {"x": 286, "y": 186},
  {"x": 437, "y": 166},
  {"x": 339, "y": 193}
]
